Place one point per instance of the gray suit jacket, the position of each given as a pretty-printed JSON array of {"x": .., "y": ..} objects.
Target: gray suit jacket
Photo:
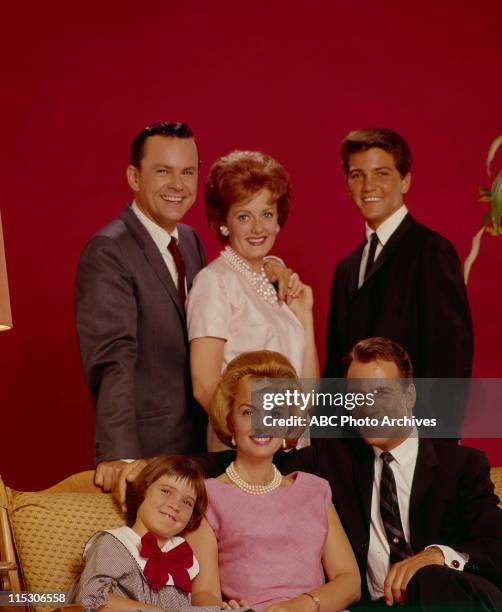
[{"x": 133, "y": 341}]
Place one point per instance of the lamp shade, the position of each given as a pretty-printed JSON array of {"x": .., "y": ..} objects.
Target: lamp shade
[{"x": 5, "y": 314}]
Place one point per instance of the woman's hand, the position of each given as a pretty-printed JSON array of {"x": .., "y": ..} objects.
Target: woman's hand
[
  {"x": 232, "y": 604},
  {"x": 303, "y": 304},
  {"x": 302, "y": 603},
  {"x": 294, "y": 287}
]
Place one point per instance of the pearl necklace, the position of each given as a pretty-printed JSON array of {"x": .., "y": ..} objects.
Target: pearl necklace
[
  {"x": 258, "y": 280},
  {"x": 250, "y": 488}
]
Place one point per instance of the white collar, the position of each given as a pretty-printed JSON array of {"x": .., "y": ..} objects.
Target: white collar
[
  {"x": 406, "y": 452},
  {"x": 157, "y": 233},
  {"x": 132, "y": 542},
  {"x": 385, "y": 230}
]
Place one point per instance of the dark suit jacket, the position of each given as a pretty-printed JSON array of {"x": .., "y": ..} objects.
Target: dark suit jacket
[
  {"x": 452, "y": 498},
  {"x": 414, "y": 295},
  {"x": 133, "y": 341}
]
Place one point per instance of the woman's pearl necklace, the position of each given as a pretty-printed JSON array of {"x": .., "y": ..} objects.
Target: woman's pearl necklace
[
  {"x": 258, "y": 280},
  {"x": 250, "y": 488}
]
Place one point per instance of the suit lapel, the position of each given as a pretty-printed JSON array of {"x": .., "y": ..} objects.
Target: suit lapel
[
  {"x": 355, "y": 264},
  {"x": 423, "y": 478},
  {"x": 153, "y": 256},
  {"x": 363, "y": 475},
  {"x": 402, "y": 230}
]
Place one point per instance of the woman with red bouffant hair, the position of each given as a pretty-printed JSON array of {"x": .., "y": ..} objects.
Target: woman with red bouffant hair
[{"x": 232, "y": 307}]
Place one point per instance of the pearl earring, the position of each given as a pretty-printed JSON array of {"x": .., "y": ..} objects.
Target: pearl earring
[
  {"x": 233, "y": 441},
  {"x": 284, "y": 444},
  {"x": 224, "y": 230},
  {"x": 277, "y": 229}
]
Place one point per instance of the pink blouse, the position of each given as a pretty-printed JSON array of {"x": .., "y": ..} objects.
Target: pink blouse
[
  {"x": 270, "y": 546},
  {"x": 223, "y": 304}
]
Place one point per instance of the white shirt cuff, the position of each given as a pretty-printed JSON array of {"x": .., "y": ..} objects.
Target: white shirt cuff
[{"x": 453, "y": 559}]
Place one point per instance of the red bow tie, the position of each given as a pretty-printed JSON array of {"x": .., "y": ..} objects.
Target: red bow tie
[{"x": 161, "y": 565}]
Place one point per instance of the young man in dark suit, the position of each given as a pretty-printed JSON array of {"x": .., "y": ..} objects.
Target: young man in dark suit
[{"x": 405, "y": 281}]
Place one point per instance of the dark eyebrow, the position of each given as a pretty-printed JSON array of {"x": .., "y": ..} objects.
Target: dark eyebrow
[
  {"x": 382, "y": 387},
  {"x": 372, "y": 170},
  {"x": 156, "y": 166}
]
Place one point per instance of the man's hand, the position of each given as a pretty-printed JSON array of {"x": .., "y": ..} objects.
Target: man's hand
[
  {"x": 290, "y": 286},
  {"x": 107, "y": 473},
  {"x": 401, "y": 573},
  {"x": 128, "y": 473}
]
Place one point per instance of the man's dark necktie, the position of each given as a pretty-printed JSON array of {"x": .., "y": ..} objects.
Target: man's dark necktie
[
  {"x": 389, "y": 510},
  {"x": 371, "y": 254},
  {"x": 180, "y": 267}
]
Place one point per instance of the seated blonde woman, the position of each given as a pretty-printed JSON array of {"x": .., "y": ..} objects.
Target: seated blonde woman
[
  {"x": 269, "y": 540},
  {"x": 232, "y": 307}
]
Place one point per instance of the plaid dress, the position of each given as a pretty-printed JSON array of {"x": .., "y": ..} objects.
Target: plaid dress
[{"x": 113, "y": 565}]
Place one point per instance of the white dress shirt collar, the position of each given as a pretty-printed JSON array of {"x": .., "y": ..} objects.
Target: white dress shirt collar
[
  {"x": 157, "y": 233},
  {"x": 389, "y": 226},
  {"x": 406, "y": 452}
]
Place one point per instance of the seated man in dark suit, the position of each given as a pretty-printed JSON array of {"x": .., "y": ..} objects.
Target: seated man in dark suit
[{"x": 421, "y": 514}]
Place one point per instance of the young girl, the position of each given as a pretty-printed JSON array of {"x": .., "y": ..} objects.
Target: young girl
[{"x": 148, "y": 564}]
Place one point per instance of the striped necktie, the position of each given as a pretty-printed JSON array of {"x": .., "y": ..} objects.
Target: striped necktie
[{"x": 389, "y": 510}]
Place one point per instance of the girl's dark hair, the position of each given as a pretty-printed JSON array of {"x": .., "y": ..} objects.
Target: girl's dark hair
[{"x": 181, "y": 468}]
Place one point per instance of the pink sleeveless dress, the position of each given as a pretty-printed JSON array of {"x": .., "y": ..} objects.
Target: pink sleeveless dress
[{"x": 270, "y": 546}]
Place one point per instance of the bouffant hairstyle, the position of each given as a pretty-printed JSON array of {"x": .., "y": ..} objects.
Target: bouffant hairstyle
[
  {"x": 181, "y": 468},
  {"x": 380, "y": 138},
  {"x": 255, "y": 364},
  {"x": 383, "y": 349},
  {"x": 237, "y": 177}
]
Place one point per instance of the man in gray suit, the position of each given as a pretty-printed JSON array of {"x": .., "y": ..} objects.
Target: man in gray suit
[{"x": 132, "y": 281}]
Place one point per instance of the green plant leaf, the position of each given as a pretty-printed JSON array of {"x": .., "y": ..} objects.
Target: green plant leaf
[
  {"x": 496, "y": 208},
  {"x": 492, "y": 151}
]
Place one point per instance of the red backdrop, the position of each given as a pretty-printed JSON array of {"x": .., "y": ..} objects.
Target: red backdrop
[{"x": 289, "y": 78}]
